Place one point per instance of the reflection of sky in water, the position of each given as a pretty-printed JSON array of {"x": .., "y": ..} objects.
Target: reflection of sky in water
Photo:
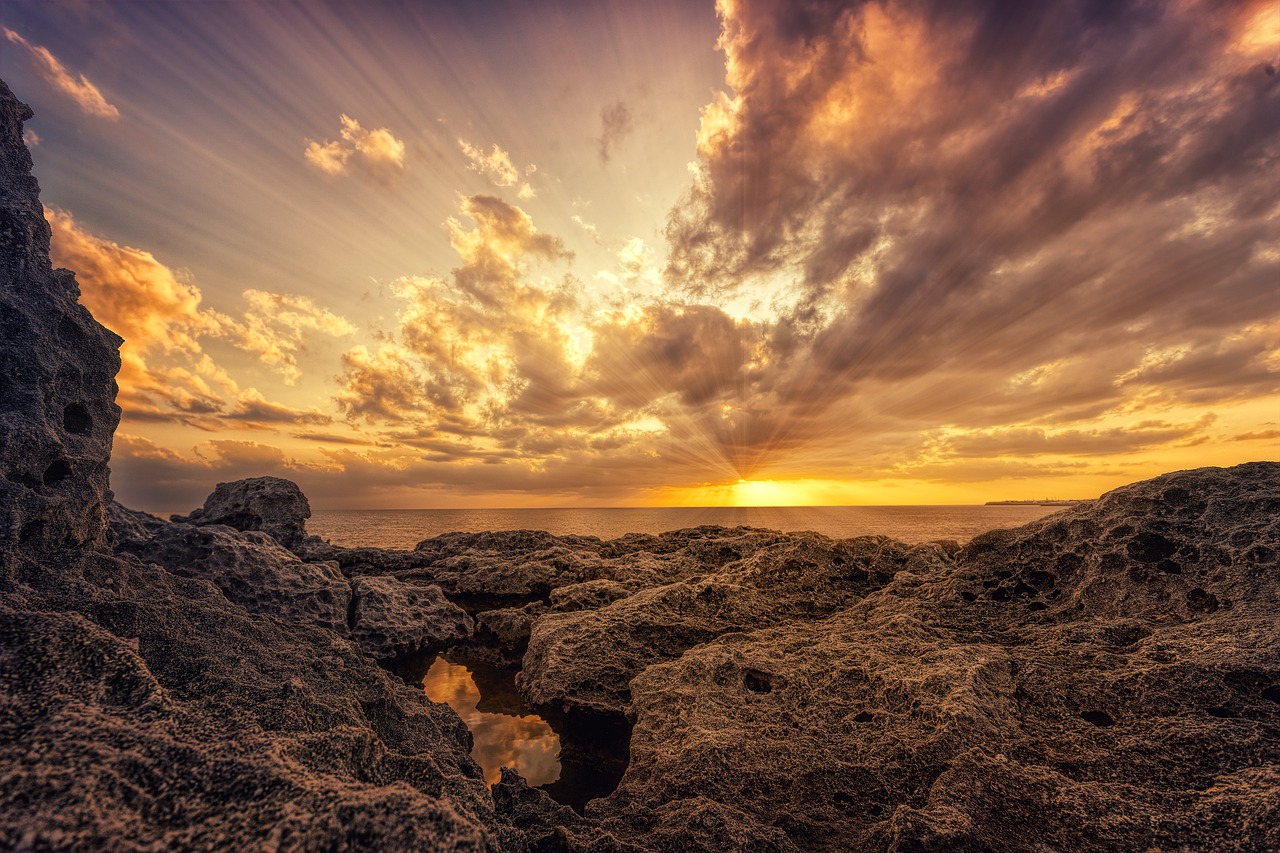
[{"x": 523, "y": 743}]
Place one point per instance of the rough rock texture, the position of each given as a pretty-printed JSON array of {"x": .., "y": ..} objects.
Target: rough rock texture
[
  {"x": 1105, "y": 678},
  {"x": 252, "y": 570},
  {"x": 389, "y": 617},
  {"x": 57, "y": 376},
  {"x": 586, "y": 659},
  {"x": 130, "y": 529},
  {"x": 275, "y": 506}
]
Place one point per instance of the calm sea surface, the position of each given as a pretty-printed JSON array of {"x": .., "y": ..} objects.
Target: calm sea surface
[{"x": 397, "y": 528}]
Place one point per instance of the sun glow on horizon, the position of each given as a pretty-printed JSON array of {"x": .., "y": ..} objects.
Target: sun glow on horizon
[{"x": 669, "y": 254}]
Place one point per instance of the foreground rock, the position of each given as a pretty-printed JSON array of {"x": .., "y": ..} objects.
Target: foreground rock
[
  {"x": 253, "y": 571},
  {"x": 390, "y": 618},
  {"x": 1106, "y": 678}
]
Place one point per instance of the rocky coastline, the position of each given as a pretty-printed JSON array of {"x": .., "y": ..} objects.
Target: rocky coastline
[{"x": 1105, "y": 678}]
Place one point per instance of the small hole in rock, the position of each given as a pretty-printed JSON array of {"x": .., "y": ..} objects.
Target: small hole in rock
[
  {"x": 1169, "y": 567},
  {"x": 757, "y": 682},
  {"x": 876, "y": 810},
  {"x": 1224, "y": 713},
  {"x": 30, "y": 531},
  {"x": 968, "y": 596},
  {"x": 56, "y": 473},
  {"x": 1202, "y": 602},
  {"x": 1037, "y": 605},
  {"x": 842, "y": 799},
  {"x": 1098, "y": 718},
  {"x": 863, "y": 717},
  {"x": 76, "y": 419},
  {"x": 1272, "y": 693}
]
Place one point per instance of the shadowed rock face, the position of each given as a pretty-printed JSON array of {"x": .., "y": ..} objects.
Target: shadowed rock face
[{"x": 57, "y": 376}]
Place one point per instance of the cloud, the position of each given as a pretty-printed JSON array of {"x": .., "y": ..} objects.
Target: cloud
[
  {"x": 167, "y": 374},
  {"x": 981, "y": 216},
  {"x": 275, "y": 325},
  {"x": 77, "y": 87},
  {"x": 378, "y": 150},
  {"x": 497, "y": 167},
  {"x": 615, "y": 125}
]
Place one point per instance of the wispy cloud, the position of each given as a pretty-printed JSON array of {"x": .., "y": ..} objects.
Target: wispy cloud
[
  {"x": 77, "y": 87},
  {"x": 497, "y": 167},
  {"x": 167, "y": 372},
  {"x": 615, "y": 125}
]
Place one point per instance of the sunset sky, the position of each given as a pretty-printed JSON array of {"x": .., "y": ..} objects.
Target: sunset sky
[{"x": 667, "y": 253}]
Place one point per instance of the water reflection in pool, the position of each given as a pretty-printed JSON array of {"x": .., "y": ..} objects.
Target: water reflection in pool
[{"x": 504, "y": 733}]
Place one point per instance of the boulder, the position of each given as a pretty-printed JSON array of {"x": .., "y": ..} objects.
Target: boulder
[
  {"x": 273, "y": 505},
  {"x": 57, "y": 377},
  {"x": 585, "y": 659}
]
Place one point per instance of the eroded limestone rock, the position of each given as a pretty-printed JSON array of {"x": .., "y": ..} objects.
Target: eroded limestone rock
[
  {"x": 57, "y": 377},
  {"x": 273, "y": 505},
  {"x": 1099, "y": 702},
  {"x": 253, "y": 570},
  {"x": 389, "y": 617}
]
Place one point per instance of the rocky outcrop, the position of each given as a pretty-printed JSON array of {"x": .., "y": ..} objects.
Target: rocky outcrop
[
  {"x": 273, "y": 505},
  {"x": 389, "y": 617},
  {"x": 129, "y": 529},
  {"x": 57, "y": 377},
  {"x": 586, "y": 659},
  {"x": 1057, "y": 686},
  {"x": 252, "y": 570}
]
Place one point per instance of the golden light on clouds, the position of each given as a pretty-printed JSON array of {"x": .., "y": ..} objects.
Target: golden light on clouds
[{"x": 866, "y": 253}]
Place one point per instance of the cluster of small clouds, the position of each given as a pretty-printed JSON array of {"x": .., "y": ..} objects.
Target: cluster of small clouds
[
  {"x": 378, "y": 150},
  {"x": 75, "y": 86},
  {"x": 498, "y": 168},
  {"x": 167, "y": 374}
]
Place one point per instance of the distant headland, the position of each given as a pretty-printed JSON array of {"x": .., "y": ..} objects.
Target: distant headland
[{"x": 1046, "y": 502}]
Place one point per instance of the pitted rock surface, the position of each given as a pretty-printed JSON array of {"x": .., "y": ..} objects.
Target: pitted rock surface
[
  {"x": 389, "y": 617},
  {"x": 253, "y": 570},
  {"x": 1097, "y": 703},
  {"x": 57, "y": 376},
  {"x": 273, "y": 505}
]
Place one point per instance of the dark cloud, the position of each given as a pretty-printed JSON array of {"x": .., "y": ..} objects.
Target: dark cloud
[{"x": 615, "y": 125}]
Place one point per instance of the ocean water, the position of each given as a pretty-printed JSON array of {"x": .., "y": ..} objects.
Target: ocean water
[{"x": 405, "y": 528}]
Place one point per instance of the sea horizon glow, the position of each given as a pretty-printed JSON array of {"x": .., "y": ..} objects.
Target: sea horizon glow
[{"x": 734, "y": 254}]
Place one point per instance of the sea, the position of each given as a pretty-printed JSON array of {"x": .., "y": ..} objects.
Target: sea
[{"x": 405, "y": 528}]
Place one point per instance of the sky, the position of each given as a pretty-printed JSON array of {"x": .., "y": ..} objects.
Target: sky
[{"x": 597, "y": 253}]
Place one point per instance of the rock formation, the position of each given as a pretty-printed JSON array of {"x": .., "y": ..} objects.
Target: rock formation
[
  {"x": 57, "y": 377},
  {"x": 275, "y": 506}
]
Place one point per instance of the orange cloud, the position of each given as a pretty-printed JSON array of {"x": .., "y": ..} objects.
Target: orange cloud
[
  {"x": 379, "y": 149},
  {"x": 166, "y": 373}
]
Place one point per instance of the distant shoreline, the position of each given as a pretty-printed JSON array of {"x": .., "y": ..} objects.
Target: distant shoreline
[{"x": 1036, "y": 503}]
